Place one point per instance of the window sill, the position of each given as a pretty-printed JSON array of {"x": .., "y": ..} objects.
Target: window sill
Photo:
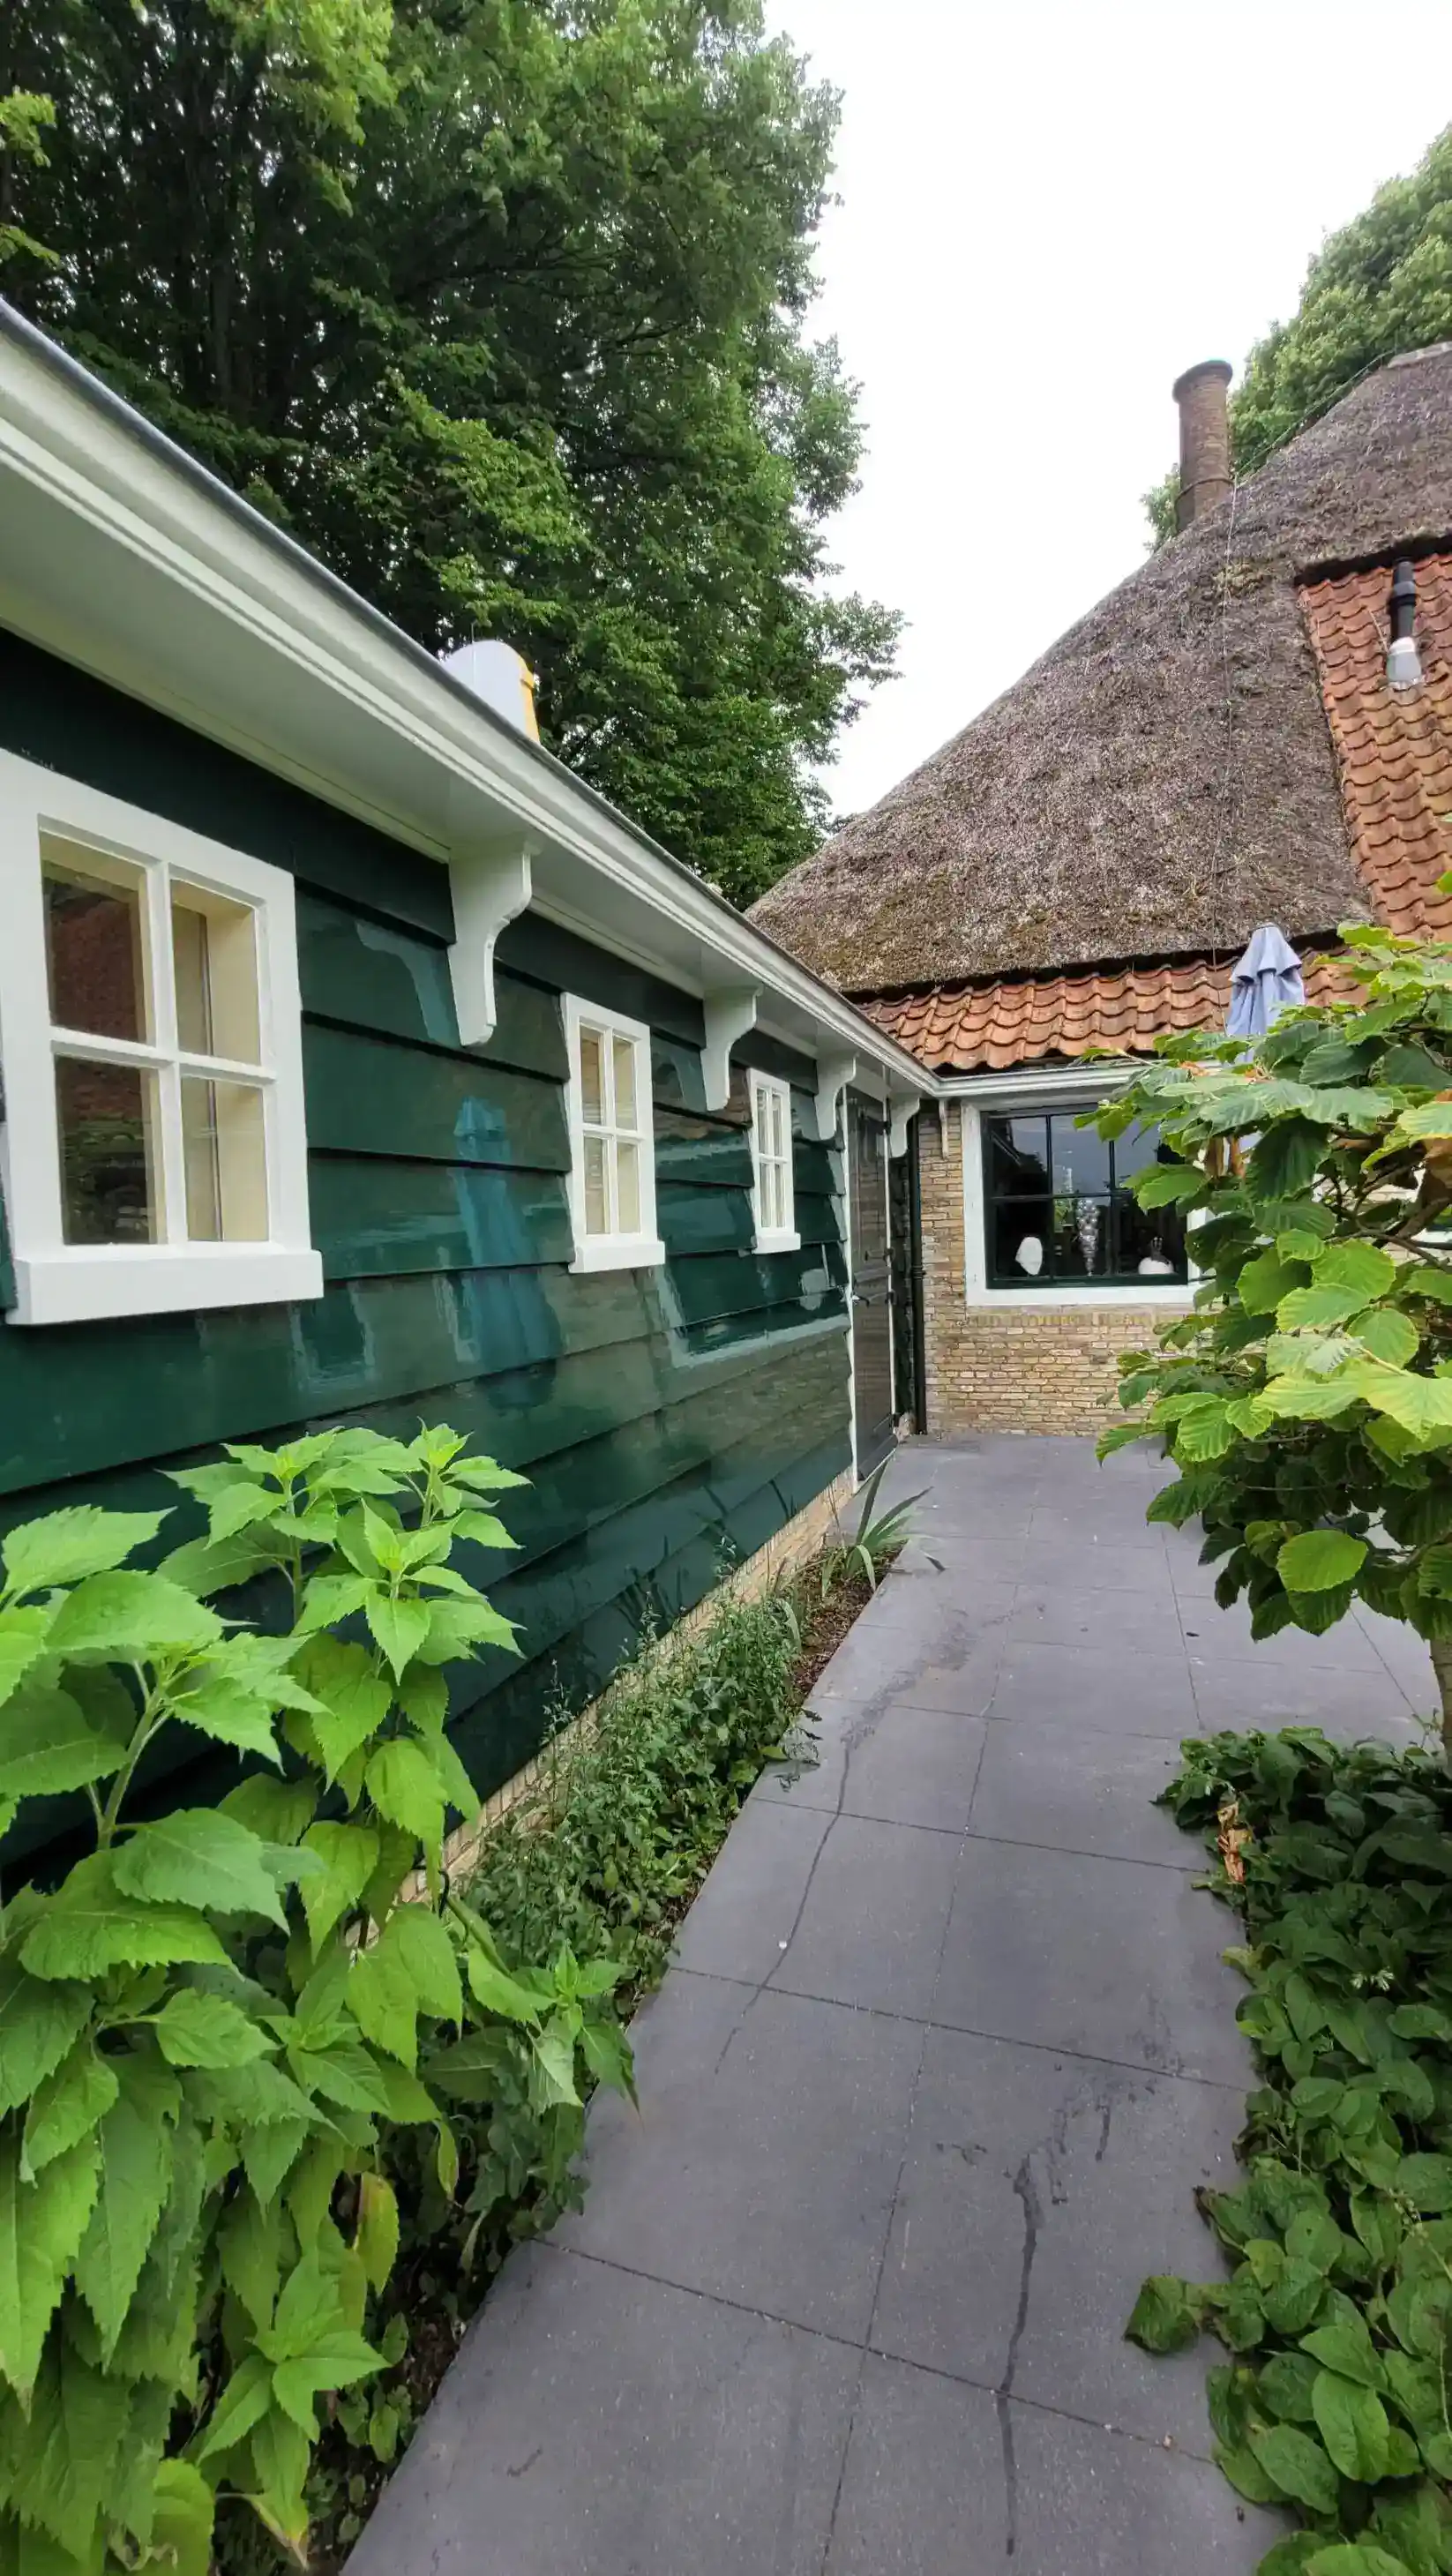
[
  {"x": 608, "y": 1252},
  {"x": 98, "y": 1284},
  {"x": 779, "y": 1239},
  {"x": 1155, "y": 1292}
]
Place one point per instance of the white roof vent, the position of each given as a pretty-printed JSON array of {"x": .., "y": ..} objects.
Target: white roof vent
[{"x": 501, "y": 677}]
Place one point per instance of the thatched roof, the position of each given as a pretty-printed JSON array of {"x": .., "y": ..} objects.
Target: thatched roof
[{"x": 1162, "y": 781}]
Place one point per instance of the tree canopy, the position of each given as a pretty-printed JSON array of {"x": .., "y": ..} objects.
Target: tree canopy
[
  {"x": 1381, "y": 285},
  {"x": 502, "y": 306}
]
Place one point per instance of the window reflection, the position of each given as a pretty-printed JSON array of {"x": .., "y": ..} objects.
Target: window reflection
[{"x": 1061, "y": 1210}]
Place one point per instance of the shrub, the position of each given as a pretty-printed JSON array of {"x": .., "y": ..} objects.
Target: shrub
[
  {"x": 1337, "y": 2316},
  {"x": 225, "y": 2032},
  {"x": 1307, "y": 1400}
]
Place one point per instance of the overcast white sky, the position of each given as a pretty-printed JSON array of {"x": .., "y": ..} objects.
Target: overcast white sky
[{"x": 1049, "y": 208}]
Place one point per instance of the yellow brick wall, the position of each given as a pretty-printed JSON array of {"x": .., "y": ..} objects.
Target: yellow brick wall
[{"x": 1008, "y": 1367}]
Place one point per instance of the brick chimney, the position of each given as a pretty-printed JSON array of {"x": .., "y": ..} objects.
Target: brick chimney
[{"x": 1204, "y": 439}]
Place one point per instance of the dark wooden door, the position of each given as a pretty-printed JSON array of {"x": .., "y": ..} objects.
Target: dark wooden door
[{"x": 871, "y": 1285}]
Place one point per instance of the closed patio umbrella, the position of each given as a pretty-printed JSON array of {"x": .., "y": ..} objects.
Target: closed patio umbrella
[{"x": 1265, "y": 982}]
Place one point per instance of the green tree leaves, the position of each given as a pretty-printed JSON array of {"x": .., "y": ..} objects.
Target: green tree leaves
[{"x": 1318, "y": 1560}]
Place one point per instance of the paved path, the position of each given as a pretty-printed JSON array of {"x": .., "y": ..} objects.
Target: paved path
[{"x": 947, "y": 2050}]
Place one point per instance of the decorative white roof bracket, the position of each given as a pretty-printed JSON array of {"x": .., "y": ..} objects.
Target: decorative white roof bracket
[
  {"x": 905, "y": 1106},
  {"x": 729, "y": 1015},
  {"x": 834, "y": 1072},
  {"x": 490, "y": 888}
]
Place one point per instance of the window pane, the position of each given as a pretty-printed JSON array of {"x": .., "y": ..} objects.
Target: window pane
[
  {"x": 627, "y": 1189},
  {"x": 778, "y": 1141},
  {"x": 225, "y": 1155},
  {"x": 596, "y": 1218},
  {"x": 214, "y": 954},
  {"x": 1082, "y": 1243},
  {"x": 1149, "y": 1242},
  {"x": 1081, "y": 1158},
  {"x": 770, "y": 1196},
  {"x": 1021, "y": 1240},
  {"x": 1018, "y": 1160},
  {"x": 625, "y": 1112},
  {"x": 592, "y": 1080},
  {"x": 1136, "y": 1147},
  {"x": 95, "y": 944},
  {"x": 109, "y": 1171}
]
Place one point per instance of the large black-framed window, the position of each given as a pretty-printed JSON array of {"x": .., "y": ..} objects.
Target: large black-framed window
[{"x": 1059, "y": 1210}]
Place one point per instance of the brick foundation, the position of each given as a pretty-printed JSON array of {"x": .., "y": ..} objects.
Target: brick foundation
[{"x": 1008, "y": 1367}]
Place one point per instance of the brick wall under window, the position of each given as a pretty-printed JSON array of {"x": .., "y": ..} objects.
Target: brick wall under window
[{"x": 1008, "y": 1367}]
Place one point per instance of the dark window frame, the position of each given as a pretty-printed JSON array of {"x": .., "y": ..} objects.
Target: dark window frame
[{"x": 1068, "y": 1282}]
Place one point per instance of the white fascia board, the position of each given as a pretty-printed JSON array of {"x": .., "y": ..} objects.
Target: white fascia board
[
  {"x": 1039, "y": 1082},
  {"x": 121, "y": 555}
]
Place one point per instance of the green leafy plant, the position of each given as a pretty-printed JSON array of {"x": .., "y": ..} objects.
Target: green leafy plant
[
  {"x": 1337, "y": 2314},
  {"x": 218, "y": 2028},
  {"x": 1307, "y": 1400},
  {"x": 875, "y": 1542}
]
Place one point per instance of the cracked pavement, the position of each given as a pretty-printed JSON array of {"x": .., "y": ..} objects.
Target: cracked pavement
[{"x": 946, "y": 2051}]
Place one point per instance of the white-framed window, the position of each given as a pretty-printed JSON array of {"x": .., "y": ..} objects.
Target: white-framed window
[
  {"x": 612, "y": 1140},
  {"x": 154, "y": 1145},
  {"x": 1048, "y": 1216},
  {"x": 773, "y": 1204}
]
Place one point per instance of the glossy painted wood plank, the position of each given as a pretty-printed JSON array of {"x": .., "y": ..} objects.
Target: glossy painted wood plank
[
  {"x": 692, "y": 1220},
  {"x": 369, "y": 974},
  {"x": 375, "y": 1219},
  {"x": 710, "y": 1289},
  {"x": 56, "y": 715},
  {"x": 818, "y": 1220},
  {"x": 565, "y": 963},
  {"x": 368, "y": 1095},
  {"x": 692, "y": 1147}
]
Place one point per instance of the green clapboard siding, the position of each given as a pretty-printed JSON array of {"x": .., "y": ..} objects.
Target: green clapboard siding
[{"x": 669, "y": 1420}]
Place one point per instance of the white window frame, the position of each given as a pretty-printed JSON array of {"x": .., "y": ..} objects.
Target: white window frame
[
  {"x": 642, "y": 1250},
  {"x": 1034, "y": 1099},
  {"x": 62, "y": 1283},
  {"x": 772, "y": 1238}
]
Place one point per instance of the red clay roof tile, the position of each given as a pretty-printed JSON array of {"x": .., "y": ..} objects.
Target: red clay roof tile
[
  {"x": 977, "y": 1028},
  {"x": 1393, "y": 747}
]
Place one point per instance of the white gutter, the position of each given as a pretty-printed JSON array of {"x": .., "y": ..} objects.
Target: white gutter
[{"x": 123, "y": 555}]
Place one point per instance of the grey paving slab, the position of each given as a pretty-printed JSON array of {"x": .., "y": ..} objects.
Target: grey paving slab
[
  {"x": 946, "y": 2480},
  {"x": 873, "y": 1919},
  {"x": 763, "y": 2163},
  {"x": 1047, "y": 1780},
  {"x": 1106, "y": 1958},
  {"x": 934, "y": 1552},
  {"x": 597, "y": 2421},
  {"x": 899, "y": 1764},
  {"x": 893, "y": 1644},
  {"x": 1039, "y": 2190},
  {"x": 1220, "y": 1635},
  {"x": 1250, "y": 1690},
  {"x": 1113, "y": 1564},
  {"x": 1098, "y": 1686},
  {"x": 1120, "y": 1522},
  {"x": 1142, "y": 1622},
  {"x": 956, "y": 1602},
  {"x": 743, "y": 1917}
]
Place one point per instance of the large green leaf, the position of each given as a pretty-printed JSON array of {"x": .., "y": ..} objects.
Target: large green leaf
[
  {"x": 1426, "y": 2181},
  {"x": 354, "y": 1699},
  {"x": 182, "y": 2529},
  {"x": 38, "y": 2022},
  {"x": 70, "y": 2471},
  {"x": 335, "y": 2360},
  {"x": 1355, "y": 2558},
  {"x": 1361, "y": 1267},
  {"x": 384, "y": 1994},
  {"x": 196, "y": 2029},
  {"x": 48, "y": 1744},
  {"x": 65, "y": 1546},
  {"x": 67, "y": 2106},
  {"x": 220, "y": 1706},
  {"x": 1265, "y": 1280},
  {"x": 1298, "y": 2465},
  {"x": 400, "y": 1627},
  {"x": 89, "y": 1925},
  {"x": 349, "y": 1855},
  {"x": 243, "y": 2403},
  {"x": 132, "y": 1616},
  {"x": 1388, "y": 1334},
  {"x": 22, "y": 1637},
  {"x": 1352, "y": 2423},
  {"x": 135, "y": 2176},
  {"x": 195, "y": 1856},
  {"x": 404, "y": 1786},
  {"x": 1320, "y": 1559},
  {"x": 41, "y": 2226},
  {"x": 1315, "y": 1308},
  {"x": 376, "y": 2242},
  {"x": 1345, "y": 2346}
]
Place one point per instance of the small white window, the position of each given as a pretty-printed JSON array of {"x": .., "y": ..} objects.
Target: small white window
[
  {"x": 612, "y": 1141},
  {"x": 772, "y": 1198},
  {"x": 155, "y": 1153}
]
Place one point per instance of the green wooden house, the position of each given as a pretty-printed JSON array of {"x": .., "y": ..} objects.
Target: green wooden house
[{"x": 361, "y": 1064}]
